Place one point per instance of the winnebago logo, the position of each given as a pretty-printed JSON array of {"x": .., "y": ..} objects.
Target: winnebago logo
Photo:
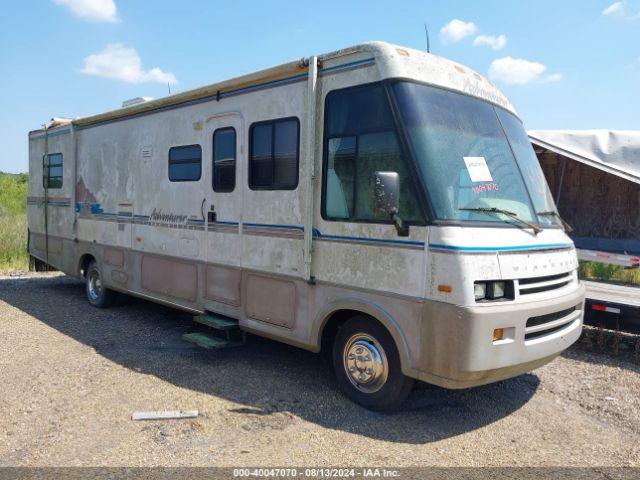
[{"x": 158, "y": 216}]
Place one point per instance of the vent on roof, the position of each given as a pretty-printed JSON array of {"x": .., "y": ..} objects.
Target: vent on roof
[
  {"x": 57, "y": 122},
  {"x": 135, "y": 101}
]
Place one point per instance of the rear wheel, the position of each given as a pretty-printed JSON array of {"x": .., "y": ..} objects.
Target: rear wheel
[
  {"x": 97, "y": 294},
  {"x": 367, "y": 365}
]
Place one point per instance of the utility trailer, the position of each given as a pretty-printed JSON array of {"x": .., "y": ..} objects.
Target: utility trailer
[
  {"x": 611, "y": 306},
  {"x": 377, "y": 203}
]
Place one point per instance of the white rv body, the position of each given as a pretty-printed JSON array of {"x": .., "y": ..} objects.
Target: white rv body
[{"x": 155, "y": 238}]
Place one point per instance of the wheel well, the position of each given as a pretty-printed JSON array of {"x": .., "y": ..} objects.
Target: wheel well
[
  {"x": 85, "y": 260},
  {"x": 334, "y": 322}
]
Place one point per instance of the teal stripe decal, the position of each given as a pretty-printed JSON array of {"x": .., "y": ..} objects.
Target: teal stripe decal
[
  {"x": 545, "y": 246},
  {"x": 373, "y": 240}
]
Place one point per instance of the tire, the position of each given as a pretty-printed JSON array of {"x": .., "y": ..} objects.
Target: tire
[
  {"x": 98, "y": 295},
  {"x": 367, "y": 365}
]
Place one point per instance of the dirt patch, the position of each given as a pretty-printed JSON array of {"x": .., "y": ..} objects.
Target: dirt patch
[{"x": 71, "y": 376}]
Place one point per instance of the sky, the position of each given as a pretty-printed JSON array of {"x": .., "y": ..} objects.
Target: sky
[{"x": 565, "y": 64}]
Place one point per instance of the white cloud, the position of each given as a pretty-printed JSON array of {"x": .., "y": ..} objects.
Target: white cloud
[
  {"x": 554, "y": 77},
  {"x": 613, "y": 9},
  {"x": 620, "y": 10},
  {"x": 94, "y": 10},
  {"x": 456, "y": 30},
  {"x": 496, "y": 43},
  {"x": 518, "y": 71},
  {"x": 118, "y": 62}
]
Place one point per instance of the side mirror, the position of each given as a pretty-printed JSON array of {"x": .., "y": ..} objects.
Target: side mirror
[{"x": 386, "y": 193}]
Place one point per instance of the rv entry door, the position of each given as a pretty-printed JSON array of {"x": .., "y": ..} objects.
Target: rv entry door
[{"x": 225, "y": 160}]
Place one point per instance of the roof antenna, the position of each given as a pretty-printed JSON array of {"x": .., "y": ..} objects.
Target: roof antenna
[
  {"x": 426, "y": 32},
  {"x": 169, "y": 87}
]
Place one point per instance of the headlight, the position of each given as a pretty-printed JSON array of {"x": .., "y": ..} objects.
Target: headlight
[
  {"x": 493, "y": 290},
  {"x": 480, "y": 290},
  {"x": 497, "y": 290}
]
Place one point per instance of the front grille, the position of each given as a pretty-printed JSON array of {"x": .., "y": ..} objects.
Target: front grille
[
  {"x": 527, "y": 286},
  {"x": 542, "y": 333},
  {"x": 528, "y": 281},
  {"x": 547, "y": 324},
  {"x": 549, "y": 317}
]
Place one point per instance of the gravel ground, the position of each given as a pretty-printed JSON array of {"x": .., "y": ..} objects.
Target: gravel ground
[{"x": 71, "y": 376}]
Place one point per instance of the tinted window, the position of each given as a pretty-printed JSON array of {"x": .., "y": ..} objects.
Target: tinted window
[
  {"x": 358, "y": 110},
  {"x": 52, "y": 171},
  {"x": 185, "y": 163},
  {"x": 341, "y": 168},
  {"x": 224, "y": 160},
  {"x": 360, "y": 140},
  {"x": 273, "y": 157},
  {"x": 261, "y": 161}
]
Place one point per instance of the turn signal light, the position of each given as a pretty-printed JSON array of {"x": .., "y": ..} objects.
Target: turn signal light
[
  {"x": 444, "y": 288},
  {"x": 498, "y": 334}
]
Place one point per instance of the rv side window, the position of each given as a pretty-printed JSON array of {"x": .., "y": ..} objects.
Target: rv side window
[
  {"x": 273, "y": 154},
  {"x": 185, "y": 163},
  {"x": 360, "y": 139},
  {"x": 224, "y": 159},
  {"x": 52, "y": 170}
]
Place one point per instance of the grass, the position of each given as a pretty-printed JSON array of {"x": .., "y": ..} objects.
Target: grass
[
  {"x": 13, "y": 222},
  {"x": 609, "y": 273}
]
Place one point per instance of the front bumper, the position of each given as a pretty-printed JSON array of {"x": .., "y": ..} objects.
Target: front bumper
[{"x": 457, "y": 347}]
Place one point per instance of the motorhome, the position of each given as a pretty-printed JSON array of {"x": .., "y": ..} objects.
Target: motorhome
[{"x": 380, "y": 204}]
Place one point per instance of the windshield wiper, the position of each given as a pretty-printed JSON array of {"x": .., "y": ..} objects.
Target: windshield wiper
[
  {"x": 550, "y": 213},
  {"x": 513, "y": 215}
]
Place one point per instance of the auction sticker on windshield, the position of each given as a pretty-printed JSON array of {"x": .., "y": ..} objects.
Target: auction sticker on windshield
[{"x": 478, "y": 169}]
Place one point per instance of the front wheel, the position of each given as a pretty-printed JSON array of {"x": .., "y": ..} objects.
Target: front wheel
[
  {"x": 367, "y": 365},
  {"x": 97, "y": 294}
]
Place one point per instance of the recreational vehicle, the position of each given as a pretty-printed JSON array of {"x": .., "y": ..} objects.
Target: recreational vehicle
[{"x": 378, "y": 203}]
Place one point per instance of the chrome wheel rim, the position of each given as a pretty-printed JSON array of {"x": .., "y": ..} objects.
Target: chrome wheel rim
[
  {"x": 365, "y": 363},
  {"x": 95, "y": 285}
]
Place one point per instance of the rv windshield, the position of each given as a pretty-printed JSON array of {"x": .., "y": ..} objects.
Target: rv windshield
[{"x": 475, "y": 158}]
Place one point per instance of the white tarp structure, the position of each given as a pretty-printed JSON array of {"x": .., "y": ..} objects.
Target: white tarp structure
[
  {"x": 613, "y": 151},
  {"x": 601, "y": 227}
]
